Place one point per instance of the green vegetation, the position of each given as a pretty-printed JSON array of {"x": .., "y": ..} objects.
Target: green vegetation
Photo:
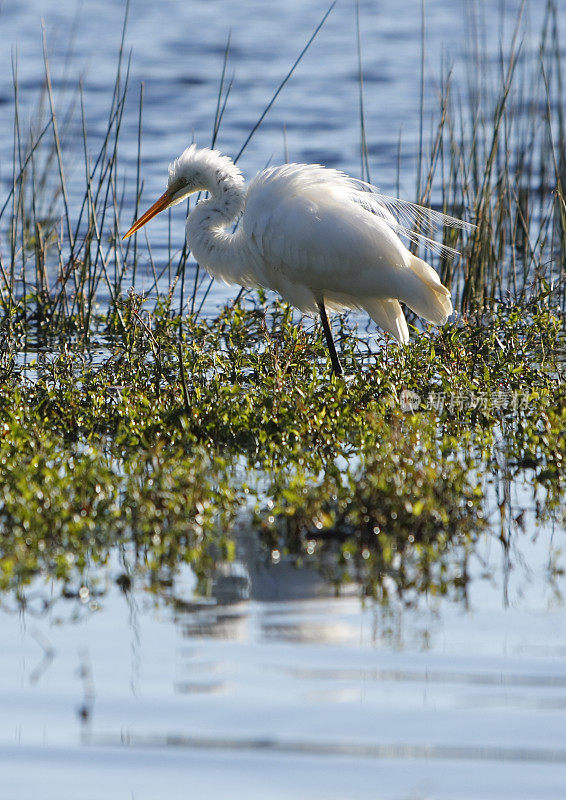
[
  {"x": 137, "y": 456},
  {"x": 136, "y": 437}
]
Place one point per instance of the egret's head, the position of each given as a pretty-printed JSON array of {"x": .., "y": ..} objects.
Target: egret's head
[
  {"x": 196, "y": 170},
  {"x": 187, "y": 174}
]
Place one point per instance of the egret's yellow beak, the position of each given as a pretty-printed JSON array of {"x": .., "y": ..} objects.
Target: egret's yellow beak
[{"x": 164, "y": 202}]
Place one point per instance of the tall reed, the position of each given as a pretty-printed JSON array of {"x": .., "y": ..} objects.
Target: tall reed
[{"x": 497, "y": 157}]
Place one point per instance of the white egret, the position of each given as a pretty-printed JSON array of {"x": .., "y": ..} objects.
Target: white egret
[{"x": 321, "y": 239}]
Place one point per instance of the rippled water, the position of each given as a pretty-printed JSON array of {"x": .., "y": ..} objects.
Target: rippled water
[
  {"x": 291, "y": 692},
  {"x": 177, "y": 52}
]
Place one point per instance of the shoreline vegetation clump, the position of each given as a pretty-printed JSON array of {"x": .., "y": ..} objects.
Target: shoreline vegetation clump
[
  {"x": 138, "y": 434},
  {"x": 388, "y": 480}
]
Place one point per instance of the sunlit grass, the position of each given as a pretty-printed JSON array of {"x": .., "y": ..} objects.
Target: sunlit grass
[
  {"x": 124, "y": 453},
  {"x": 186, "y": 427}
]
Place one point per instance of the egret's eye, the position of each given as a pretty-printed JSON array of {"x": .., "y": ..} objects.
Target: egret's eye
[{"x": 179, "y": 185}]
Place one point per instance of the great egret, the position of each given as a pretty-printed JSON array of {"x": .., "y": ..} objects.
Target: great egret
[{"x": 318, "y": 237}]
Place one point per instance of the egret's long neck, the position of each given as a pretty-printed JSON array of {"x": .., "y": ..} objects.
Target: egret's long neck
[{"x": 212, "y": 245}]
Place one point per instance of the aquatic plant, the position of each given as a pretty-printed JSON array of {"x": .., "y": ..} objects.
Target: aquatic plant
[
  {"x": 138, "y": 435},
  {"x": 390, "y": 474}
]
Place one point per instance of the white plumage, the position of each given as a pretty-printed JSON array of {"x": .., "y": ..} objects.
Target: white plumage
[{"x": 318, "y": 237}]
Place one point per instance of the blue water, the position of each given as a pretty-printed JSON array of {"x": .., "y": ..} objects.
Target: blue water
[
  {"x": 291, "y": 692},
  {"x": 177, "y": 51},
  {"x": 284, "y": 694}
]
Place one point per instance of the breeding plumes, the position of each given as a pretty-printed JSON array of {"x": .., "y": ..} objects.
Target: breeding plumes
[{"x": 321, "y": 239}]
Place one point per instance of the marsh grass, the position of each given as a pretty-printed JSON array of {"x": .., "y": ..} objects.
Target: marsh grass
[
  {"x": 187, "y": 421},
  {"x": 496, "y": 157},
  {"x": 499, "y": 153},
  {"x": 63, "y": 258}
]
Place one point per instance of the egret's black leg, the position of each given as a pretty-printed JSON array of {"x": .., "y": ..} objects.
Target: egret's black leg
[{"x": 336, "y": 365}]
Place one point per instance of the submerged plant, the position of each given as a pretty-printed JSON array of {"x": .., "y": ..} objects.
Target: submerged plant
[{"x": 403, "y": 518}]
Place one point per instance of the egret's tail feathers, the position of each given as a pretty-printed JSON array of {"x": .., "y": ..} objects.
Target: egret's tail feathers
[
  {"x": 425, "y": 294},
  {"x": 388, "y": 314}
]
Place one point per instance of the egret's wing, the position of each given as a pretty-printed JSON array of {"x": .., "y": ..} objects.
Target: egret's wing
[
  {"x": 308, "y": 228},
  {"x": 304, "y": 233},
  {"x": 301, "y": 243},
  {"x": 416, "y": 222}
]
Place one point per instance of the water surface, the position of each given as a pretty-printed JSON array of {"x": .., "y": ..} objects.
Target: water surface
[{"x": 292, "y": 692}]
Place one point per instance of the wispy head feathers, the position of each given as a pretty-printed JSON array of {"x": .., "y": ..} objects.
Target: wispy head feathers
[{"x": 202, "y": 168}]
